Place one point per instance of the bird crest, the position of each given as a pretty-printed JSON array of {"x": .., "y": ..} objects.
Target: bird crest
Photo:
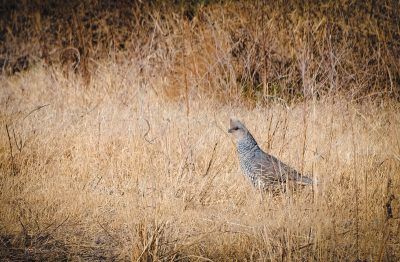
[{"x": 237, "y": 128}]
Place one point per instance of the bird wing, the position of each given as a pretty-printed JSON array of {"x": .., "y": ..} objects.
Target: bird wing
[{"x": 272, "y": 168}]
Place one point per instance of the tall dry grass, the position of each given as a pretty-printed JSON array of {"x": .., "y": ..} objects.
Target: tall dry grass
[
  {"x": 266, "y": 49},
  {"x": 121, "y": 172},
  {"x": 113, "y": 141}
]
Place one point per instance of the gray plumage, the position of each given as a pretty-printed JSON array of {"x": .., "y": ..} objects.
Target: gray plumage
[{"x": 264, "y": 171}]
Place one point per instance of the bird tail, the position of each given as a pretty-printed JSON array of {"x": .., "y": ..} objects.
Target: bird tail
[{"x": 303, "y": 180}]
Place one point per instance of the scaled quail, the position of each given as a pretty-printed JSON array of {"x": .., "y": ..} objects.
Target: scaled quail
[{"x": 264, "y": 171}]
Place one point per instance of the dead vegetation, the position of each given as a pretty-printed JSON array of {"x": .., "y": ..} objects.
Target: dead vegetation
[
  {"x": 118, "y": 172},
  {"x": 114, "y": 144},
  {"x": 267, "y": 50}
]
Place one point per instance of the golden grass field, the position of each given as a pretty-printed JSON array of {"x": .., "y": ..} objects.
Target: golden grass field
[
  {"x": 119, "y": 172},
  {"x": 114, "y": 119}
]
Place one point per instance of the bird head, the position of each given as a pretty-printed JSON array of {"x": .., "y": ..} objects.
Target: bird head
[{"x": 237, "y": 129}]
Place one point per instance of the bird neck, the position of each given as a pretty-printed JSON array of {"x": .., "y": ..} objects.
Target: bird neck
[{"x": 246, "y": 143}]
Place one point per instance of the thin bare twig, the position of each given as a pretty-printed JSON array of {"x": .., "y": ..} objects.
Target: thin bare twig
[
  {"x": 147, "y": 132},
  {"x": 211, "y": 159},
  {"x": 62, "y": 223},
  {"x": 11, "y": 152},
  {"x": 34, "y": 110},
  {"x": 108, "y": 233},
  {"x": 21, "y": 144}
]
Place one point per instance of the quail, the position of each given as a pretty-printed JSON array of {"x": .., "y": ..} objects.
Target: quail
[{"x": 263, "y": 170}]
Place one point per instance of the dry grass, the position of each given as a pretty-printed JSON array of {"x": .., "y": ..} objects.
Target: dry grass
[
  {"x": 120, "y": 172},
  {"x": 267, "y": 49},
  {"x": 114, "y": 144}
]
